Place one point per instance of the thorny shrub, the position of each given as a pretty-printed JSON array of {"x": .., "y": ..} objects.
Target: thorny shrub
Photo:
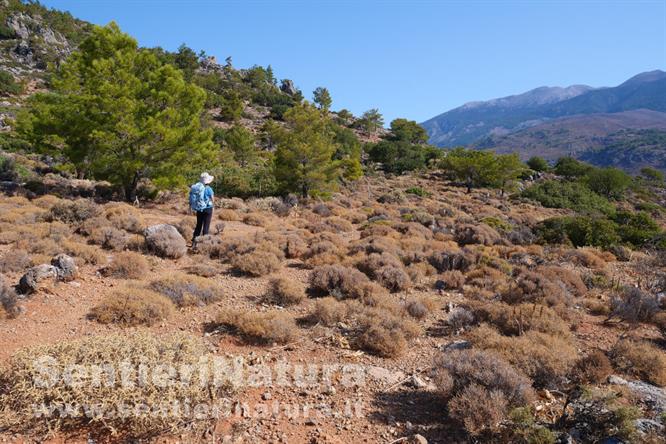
[
  {"x": 8, "y": 300},
  {"x": 14, "y": 260},
  {"x": 256, "y": 263},
  {"x": 127, "y": 265},
  {"x": 270, "y": 326},
  {"x": 284, "y": 291},
  {"x": 132, "y": 306},
  {"x": 640, "y": 359},
  {"x": 185, "y": 290}
]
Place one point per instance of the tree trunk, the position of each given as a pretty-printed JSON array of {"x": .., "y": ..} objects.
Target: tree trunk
[{"x": 130, "y": 188}]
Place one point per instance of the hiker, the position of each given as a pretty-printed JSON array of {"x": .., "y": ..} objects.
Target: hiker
[{"x": 201, "y": 202}]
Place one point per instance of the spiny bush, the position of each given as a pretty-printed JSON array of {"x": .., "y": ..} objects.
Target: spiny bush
[
  {"x": 124, "y": 217},
  {"x": 87, "y": 253},
  {"x": 110, "y": 238},
  {"x": 255, "y": 219},
  {"x": 271, "y": 326},
  {"x": 633, "y": 305},
  {"x": 486, "y": 277},
  {"x": 256, "y": 263},
  {"x": 228, "y": 215},
  {"x": 203, "y": 269},
  {"x": 127, "y": 265},
  {"x": 329, "y": 311},
  {"x": 450, "y": 260},
  {"x": 184, "y": 290},
  {"x": 132, "y": 306},
  {"x": 450, "y": 280},
  {"x": 14, "y": 260},
  {"x": 545, "y": 358},
  {"x": 186, "y": 226},
  {"x": 640, "y": 359},
  {"x": 384, "y": 333},
  {"x": 420, "y": 307},
  {"x": 466, "y": 376},
  {"x": 73, "y": 211},
  {"x": 593, "y": 368},
  {"x": 342, "y": 282},
  {"x": 19, "y": 396},
  {"x": 294, "y": 246},
  {"x": 387, "y": 270},
  {"x": 8, "y": 300},
  {"x": 209, "y": 245},
  {"x": 322, "y": 210},
  {"x": 568, "y": 279},
  {"x": 586, "y": 257},
  {"x": 476, "y": 234},
  {"x": 515, "y": 320},
  {"x": 285, "y": 291}
]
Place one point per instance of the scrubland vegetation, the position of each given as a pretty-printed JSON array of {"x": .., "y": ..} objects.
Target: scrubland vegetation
[{"x": 527, "y": 299}]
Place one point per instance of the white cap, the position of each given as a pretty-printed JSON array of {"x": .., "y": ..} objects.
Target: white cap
[{"x": 206, "y": 178}]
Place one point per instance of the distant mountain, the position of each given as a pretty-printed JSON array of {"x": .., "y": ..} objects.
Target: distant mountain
[
  {"x": 498, "y": 117},
  {"x": 627, "y": 139}
]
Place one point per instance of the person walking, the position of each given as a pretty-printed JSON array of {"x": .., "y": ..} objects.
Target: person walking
[{"x": 201, "y": 202}]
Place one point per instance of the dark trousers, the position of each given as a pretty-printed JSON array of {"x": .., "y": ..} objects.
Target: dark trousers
[{"x": 203, "y": 222}]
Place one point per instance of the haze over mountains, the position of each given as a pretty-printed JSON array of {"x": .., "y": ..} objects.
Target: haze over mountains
[{"x": 578, "y": 120}]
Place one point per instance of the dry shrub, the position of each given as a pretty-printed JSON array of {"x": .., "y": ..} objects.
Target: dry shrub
[
  {"x": 73, "y": 211},
  {"x": 268, "y": 327},
  {"x": 203, "y": 269},
  {"x": 8, "y": 300},
  {"x": 285, "y": 291},
  {"x": 530, "y": 286},
  {"x": 480, "y": 388},
  {"x": 184, "y": 290},
  {"x": 14, "y": 260},
  {"x": 545, "y": 358},
  {"x": 342, "y": 283},
  {"x": 633, "y": 305},
  {"x": 332, "y": 225},
  {"x": 228, "y": 215},
  {"x": 186, "y": 226},
  {"x": 420, "y": 307},
  {"x": 486, "y": 277},
  {"x": 210, "y": 245},
  {"x": 593, "y": 368},
  {"x": 322, "y": 210},
  {"x": 640, "y": 359},
  {"x": 479, "y": 410},
  {"x": 110, "y": 238},
  {"x": 294, "y": 246},
  {"x": 659, "y": 320},
  {"x": 515, "y": 320},
  {"x": 459, "y": 318},
  {"x": 570, "y": 280},
  {"x": 231, "y": 248},
  {"x": 124, "y": 217},
  {"x": 450, "y": 280},
  {"x": 587, "y": 257},
  {"x": 329, "y": 311},
  {"x": 476, "y": 234},
  {"x": 87, "y": 253},
  {"x": 19, "y": 395},
  {"x": 256, "y": 263},
  {"x": 127, "y": 265},
  {"x": 378, "y": 231},
  {"x": 451, "y": 260},
  {"x": 46, "y": 201},
  {"x": 387, "y": 270},
  {"x": 384, "y": 333},
  {"x": 132, "y": 306},
  {"x": 255, "y": 219}
]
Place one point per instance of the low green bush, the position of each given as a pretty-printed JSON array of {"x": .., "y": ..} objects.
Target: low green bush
[{"x": 573, "y": 195}]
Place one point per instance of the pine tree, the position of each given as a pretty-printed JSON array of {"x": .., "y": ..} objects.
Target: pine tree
[
  {"x": 118, "y": 114},
  {"x": 322, "y": 98},
  {"x": 304, "y": 158}
]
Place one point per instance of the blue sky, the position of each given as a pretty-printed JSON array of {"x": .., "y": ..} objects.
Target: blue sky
[{"x": 411, "y": 59}]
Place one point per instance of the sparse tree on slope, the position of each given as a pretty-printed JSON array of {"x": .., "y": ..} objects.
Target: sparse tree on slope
[
  {"x": 118, "y": 114},
  {"x": 322, "y": 98},
  {"x": 408, "y": 131},
  {"x": 371, "y": 121}
]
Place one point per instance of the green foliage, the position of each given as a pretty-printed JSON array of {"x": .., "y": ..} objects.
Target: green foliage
[
  {"x": 187, "y": 61},
  {"x": 408, "y": 131},
  {"x": 348, "y": 152},
  {"x": 537, "y": 163},
  {"x": 652, "y": 175},
  {"x": 608, "y": 182},
  {"x": 304, "y": 160},
  {"x": 418, "y": 191},
  {"x": 482, "y": 168},
  {"x": 9, "y": 86},
  {"x": 322, "y": 98},
  {"x": 636, "y": 228},
  {"x": 399, "y": 156},
  {"x": 371, "y": 121},
  {"x": 119, "y": 114},
  {"x": 573, "y": 195},
  {"x": 345, "y": 116},
  {"x": 570, "y": 167},
  {"x": 231, "y": 107},
  {"x": 7, "y": 168},
  {"x": 579, "y": 231}
]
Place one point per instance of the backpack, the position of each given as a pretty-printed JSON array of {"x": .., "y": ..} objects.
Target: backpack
[{"x": 197, "y": 197}]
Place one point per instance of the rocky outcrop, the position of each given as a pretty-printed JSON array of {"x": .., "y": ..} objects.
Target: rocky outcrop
[
  {"x": 66, "y": 268},
  {"x": 164, "y": 240},
  {"x": 62, "y": 268}
]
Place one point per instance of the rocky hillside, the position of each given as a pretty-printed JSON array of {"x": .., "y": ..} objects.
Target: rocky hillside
[{"x": 486, "y": 123}]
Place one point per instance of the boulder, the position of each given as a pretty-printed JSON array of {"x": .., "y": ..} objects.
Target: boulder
[
  {"x": 30, "y": 281},
  {"x": 288, "y": 87},
  {"x": 66, "y": 268},
  {"x": 164, "y": 240},
  {"x": 652, "y": 396}
]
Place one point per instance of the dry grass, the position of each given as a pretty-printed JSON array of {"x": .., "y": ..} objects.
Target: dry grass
[
  {"x": 18, "y": 394},
  {"x": 185, "y": 290},
  {"x": 284, "y": 291},
  {"x": 14, "y": 260},
  {"x": 266, "y": 327},
  {"x": 132, "y": 306},
  {"x": 127, "y": 265},
  {"x": 546, "y": 359},
  {"x": 256, "y": 263},
  {"x": 640, "y": 359}
]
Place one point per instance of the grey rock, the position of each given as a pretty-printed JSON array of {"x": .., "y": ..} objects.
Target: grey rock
[
  {"x": 165, "y": 241},
  {"x": 457, "y": 345},
  {"x": 654, "y": 397},
  {"x": 385, "y": 376},
  {"x": 30, "y": 281},
  {"x": 645, "y": 426},
  {"x": 288, "y": 87},
  {"x": 66, "y": 268}
]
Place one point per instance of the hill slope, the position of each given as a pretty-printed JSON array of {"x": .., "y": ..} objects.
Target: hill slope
[{"x": 471, "y": 122}]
